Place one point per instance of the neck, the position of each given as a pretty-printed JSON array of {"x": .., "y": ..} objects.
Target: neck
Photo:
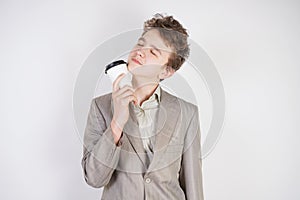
[{"x": 143, "y": 90}]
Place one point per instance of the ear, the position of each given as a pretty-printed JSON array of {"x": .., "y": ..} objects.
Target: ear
[{"x": 166, "y": 72}]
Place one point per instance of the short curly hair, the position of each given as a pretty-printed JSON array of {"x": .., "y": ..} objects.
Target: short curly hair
[{"x": 175, "y": 36}]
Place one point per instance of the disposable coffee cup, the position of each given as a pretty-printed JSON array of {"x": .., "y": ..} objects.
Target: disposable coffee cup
[{"x": 114, "y": 69}]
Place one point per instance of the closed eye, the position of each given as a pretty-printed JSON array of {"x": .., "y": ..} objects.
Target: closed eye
[{"x": 153, "y": 52}]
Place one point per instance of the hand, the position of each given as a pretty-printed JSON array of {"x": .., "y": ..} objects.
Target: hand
[{"x": 121, "y": 98}]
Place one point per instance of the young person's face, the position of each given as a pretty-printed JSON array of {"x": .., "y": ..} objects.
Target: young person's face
[{"x": 149, "y": 57}]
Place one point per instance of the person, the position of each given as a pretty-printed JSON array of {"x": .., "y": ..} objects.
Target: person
[{"x": 141, "y": 142}]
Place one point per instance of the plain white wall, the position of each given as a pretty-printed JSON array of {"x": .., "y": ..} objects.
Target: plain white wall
[{"x": 255, "y": 46}]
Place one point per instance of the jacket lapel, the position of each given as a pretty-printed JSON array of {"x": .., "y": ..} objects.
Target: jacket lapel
[
  {"x": 168, "y": 115},
  {"x": 132, "y": 132}
]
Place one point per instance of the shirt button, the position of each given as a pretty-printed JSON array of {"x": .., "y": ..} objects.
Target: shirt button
[{"x": 147, "y": 180}]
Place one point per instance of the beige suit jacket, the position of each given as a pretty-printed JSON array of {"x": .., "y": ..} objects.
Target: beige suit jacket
[{"x": 175, "y": 170}]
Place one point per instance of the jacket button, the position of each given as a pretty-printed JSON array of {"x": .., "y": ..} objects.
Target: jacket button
[{"x": 147, "y": 180}]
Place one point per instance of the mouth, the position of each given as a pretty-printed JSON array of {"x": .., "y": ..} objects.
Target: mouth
[{"x": 136, "y": 61}]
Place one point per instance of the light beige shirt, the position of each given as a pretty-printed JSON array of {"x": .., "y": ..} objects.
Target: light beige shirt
[{"x": 146, "y": 115}]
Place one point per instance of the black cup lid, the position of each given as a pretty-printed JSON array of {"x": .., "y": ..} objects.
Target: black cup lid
[{"x": 115, "y": 63}]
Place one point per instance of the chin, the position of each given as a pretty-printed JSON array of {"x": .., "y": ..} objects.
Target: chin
[{"x": 131, "y": 67}]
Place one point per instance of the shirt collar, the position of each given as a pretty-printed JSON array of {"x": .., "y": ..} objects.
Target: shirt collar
[
  {"x": 152, "y": 101},
  {"x": 156, "y": 94}
]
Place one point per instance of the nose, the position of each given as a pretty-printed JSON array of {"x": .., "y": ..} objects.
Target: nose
[{"x": 140, "y": 52}]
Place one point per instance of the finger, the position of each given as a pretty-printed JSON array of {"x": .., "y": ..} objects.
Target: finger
[
  {"x": 130, "y": 98},
  {"x": 117, "y": 81},
  {"x": 135, "y": 101},
  {"x": 124, "y": 94},
  {"x": 123, "y": 89}
]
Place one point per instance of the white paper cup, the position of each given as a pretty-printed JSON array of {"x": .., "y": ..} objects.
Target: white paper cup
[{"x": 114, "y": 69}]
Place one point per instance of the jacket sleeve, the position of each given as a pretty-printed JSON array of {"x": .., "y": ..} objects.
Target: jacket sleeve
[
  {"x": 190, "y": 175},
  {"x": 100, "y": 154}
]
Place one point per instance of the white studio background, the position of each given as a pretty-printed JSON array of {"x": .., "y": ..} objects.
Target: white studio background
[{"x": 255, "y": 46}]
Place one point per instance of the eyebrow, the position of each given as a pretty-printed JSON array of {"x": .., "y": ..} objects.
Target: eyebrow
[
  {"x": 153, "y": 46},
  {"x": 142, "y": 39}
]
